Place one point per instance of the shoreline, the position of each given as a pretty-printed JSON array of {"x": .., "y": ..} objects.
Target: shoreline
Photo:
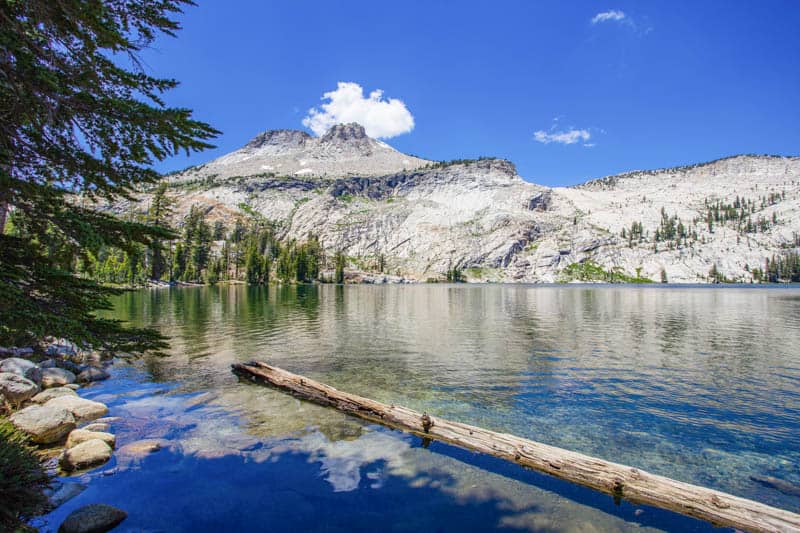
[
  {"x": 409, "y": 281},
  {"x": 40, "y": 396}
]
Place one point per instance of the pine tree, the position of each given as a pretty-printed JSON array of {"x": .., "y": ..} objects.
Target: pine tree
[
  {"x": 178, "y": 263},
  {"x": 76, "y": 122},
  {"x": 158, "y": 214},
  {"x": 257, "y": 265},
  {"x": 339, "y": 264},
  {"x": 219, "y": 230}
]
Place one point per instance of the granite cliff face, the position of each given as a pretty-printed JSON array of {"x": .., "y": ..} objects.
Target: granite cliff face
[{"x": 365, "y": 198}]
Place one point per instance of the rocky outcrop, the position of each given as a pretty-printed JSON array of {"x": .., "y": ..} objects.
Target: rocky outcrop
[
  {"x": 279, "y": 140},
  {"x": 94, "y": 518},
  {"x": 44, "y": 424}
]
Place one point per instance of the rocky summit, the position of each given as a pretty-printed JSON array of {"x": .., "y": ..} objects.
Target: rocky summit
[
  {"x": 714, "y": 221},
  {"x": 343, "y": 151}
]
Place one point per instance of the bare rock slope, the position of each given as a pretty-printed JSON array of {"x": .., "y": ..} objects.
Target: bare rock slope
[
  {"x": 344, "y": 150},
  {"x": 365, "y": 198}
]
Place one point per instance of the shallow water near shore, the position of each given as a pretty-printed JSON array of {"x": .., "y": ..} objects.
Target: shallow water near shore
[{"x": 696, "y": 383}]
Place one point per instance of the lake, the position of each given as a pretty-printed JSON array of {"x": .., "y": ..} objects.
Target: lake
[{"x": 701, "y": 384}]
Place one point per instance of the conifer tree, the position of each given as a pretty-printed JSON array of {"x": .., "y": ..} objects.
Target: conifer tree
[
  {"x": 75, "y": 121},
  {"x": 339, "y": 264},
  {"x": 158, "y": 214}
]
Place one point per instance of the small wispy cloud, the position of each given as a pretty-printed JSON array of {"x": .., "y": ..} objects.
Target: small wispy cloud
[
  {"x": 570, "y": 136},
  {"x": 613, "y": 15}
]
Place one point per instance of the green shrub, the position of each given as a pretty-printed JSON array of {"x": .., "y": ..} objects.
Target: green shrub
[
  {"x": 22, "y": 479},
  {"x": 588, "y": 270}
]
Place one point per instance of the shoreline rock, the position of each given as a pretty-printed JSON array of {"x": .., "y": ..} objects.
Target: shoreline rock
[
  {"x": 93, "y": 518},
  {"x": 78, "y": 436},
  {"x": 91, "y": 374},
  {"x": 96, "y": 426},
  {"x": 48, "y": 394},
  {"x": 17, "y": 389},
  {"x": 82, "y": 409},
  {"x": 56, "y": 377},
  {"x": 45, "y": 405},
  {"x": 92, "y": 452},
  {"x": 22, "y": 367},
  {"x": 44, "y": 424}
]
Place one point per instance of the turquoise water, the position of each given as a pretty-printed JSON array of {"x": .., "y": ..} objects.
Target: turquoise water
[{"x": 699, "y": 384}]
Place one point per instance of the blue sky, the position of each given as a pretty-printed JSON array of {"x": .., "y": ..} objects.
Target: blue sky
[{"x": 631, "y": 84}]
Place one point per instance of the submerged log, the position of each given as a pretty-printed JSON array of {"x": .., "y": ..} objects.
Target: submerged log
[{"x": 619, "y": 481}]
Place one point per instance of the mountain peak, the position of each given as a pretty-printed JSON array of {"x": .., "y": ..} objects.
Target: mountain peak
[
  {"x": 344, "y": 150},
  {"x": 294, "y": 138},
  {"x": 345, "y": 132}
]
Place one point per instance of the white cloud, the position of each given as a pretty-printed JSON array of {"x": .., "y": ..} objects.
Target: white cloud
[
  {"x": 563, "y": 137},
  {"x": 381, "y": 117},
  {"x": 611, "y": 15}
]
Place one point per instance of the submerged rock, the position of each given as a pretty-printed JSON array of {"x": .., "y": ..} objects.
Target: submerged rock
[
  {"x": 17, "y": 388},
  {"x": 56, "y": 377},
  {"x": 78, "y": 436},
  {"x": 84, "y": 410},
  {"x": 141, "y": 448},
  {"x": 132, "y": 454},
  {"x": 787, "y": 487},
  {"x": 94, "y": 518},
  {"x": 62, "y": 492},
  {"x": 47, "y": 395},
  {"x": 44, "y": 424},
  {"x": 108, "y": 420},
  {"x": 22, "y": 367},
  {"x": 89, "y": 453}
]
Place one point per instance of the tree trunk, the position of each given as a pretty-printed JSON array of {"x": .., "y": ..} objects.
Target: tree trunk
[
  {"x": 617, "y": 480},
  {"x": 3, "y": 213}
]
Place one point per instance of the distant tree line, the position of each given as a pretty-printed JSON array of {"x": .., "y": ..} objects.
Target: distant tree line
[
  {"x": 779, "y": 269},
  {"x": 672, "y": 232},
  {"x": 204, "y": 251}
]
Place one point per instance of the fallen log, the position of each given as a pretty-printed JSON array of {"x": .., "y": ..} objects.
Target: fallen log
[{"x": 620, "y": 481}]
